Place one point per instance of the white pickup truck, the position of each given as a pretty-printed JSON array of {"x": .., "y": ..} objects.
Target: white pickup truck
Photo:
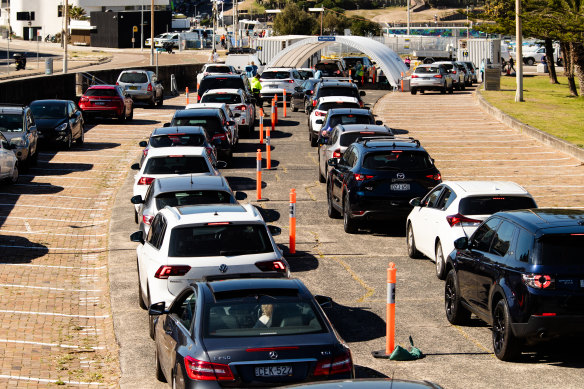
[
  {"x": 533, "y": 55},
  {"x": 173, "y": 37}
]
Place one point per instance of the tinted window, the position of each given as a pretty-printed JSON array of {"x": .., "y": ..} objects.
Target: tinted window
[
  {"x": 274, "y": 75},
  {"x": 215, "y": 240},
  {"x": 187, "y": 310},
  {"x": 306, "y": 73},
  {"x": 177, "y": 140},
  {"x": 447, "y": 198},
  {"x": 350, "y": 119},
  {"x": 194, "y": 197},
  {"x": 220, "y": 83},
  {"x": 484, "y": 235},
  {"x": 429, "y": 70},
  {"x": 337, "y": 104},
  {"x": 503, "y": 238},
  {"x": 218, "y": 69},
  {"x": 156, "y": 232},
  {"x": 338, "y": 91},
  {"x": 565, "y": 249},
  {"x": 11, "y": 122},
  {"x": 134, "y": 78},
  {"x": 49, "y": 110},
  {"x": 102, "y": 92},
  {"x": 328, "y": 69},
  {"x": 176, "y": 165},
  {"x": 488, "y": 205},
  {"x": 350, "y": 137},
  {"x": 351, "y": 62},
  {"x": 227, "y": 98},
  {"x": 211, "y": 124},
  {"x": 397, "y": 159},
  {"x": 524, "y": 246},
  {"x": 432, "y": 197}
]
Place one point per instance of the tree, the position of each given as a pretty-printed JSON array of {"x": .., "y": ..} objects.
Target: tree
[
  {"x": 364, "y": 27},
  {"x": 77, "y": 13},
  {"x": 293, "y": 21},
  {"x": 335, "y": 24}
]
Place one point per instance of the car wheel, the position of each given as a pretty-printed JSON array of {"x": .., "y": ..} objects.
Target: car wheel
[
  {"x": 421, "y": 91},
  {"x": 455, "y": 312},
  {"x": 160, "y": 101},
  {"x": 141, "y": 301},
  {"x": 350, "y": 224},
  {"x": 440, "y": 262},
  {"x": 293, "y": 106},
  {"x": 81, "y": 138},
  {"x": 411, "y": 243},
  {"x": 413, "y": 91},
  {"x": 15, "y": 173},
  {"x": 462, "y": 86},
  {"x": 122, "y": 117},
  {"x": 131, "y": 117},
  {"x": 321, "y": 178},
  {"x": 332, "y": 212},
  {"x": 530, "y": 61},
  {"x": 313, "y": 140},
  {"x": 152, "y": 102},
  {"x": 150, "y": 317},
  {"x": 505, "y": 344},
  {"x": 159, "y": 373}
]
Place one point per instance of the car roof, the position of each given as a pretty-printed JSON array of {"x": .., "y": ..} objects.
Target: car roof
[
  {"x": 214, "y": 213},
  {"x": 332, "y": 83},
  {"x": 181, "y": 113},
  {"x": 221, "y": 91},
  {"x": 222, "y": 75},
  {"x": 486, "y": 187},
  {"x": 278, "y": 69},
  {"x": 210, "y": 106},
  {"x": 363, "y": 127},
  {"x": 343, "y": 99},
  {"x": 255, "y": 284},
  {"x": 392, "y": 144},
  {"x": 189, "y": 182},
  {"x": 352, "y": 111},
  {"x": 50, "y": 101},
  {"x": 542, "y": 220},
  {"x": 102, "y": 87},
  {"x": 11, "y": 109},
  {"x": 176, "y": 150},
  {"x": 306, "y": 69},
  {"x": 177, "y": 129},
  {"x": 134, "y": 71}
]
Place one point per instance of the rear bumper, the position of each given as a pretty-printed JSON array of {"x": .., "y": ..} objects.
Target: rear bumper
[
  {"x": 389, "y": 209},
  {"x": 140, "y": 95},
  {"x": 544, "y": 327},
  {"x": 101, "y": 111}
]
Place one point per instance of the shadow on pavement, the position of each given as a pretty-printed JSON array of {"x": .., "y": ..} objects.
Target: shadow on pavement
[
  {"x": 54, "y": 168},
  {"x": 399, "y": 131},
  {"x": 393, "y": 228},
  {"x": 249, "y": 162},
  {"x": 280, "y": 134},
  {"x": 17, "y": 249},
  {"x": 563, "y": 352},
  {"x": 367, "y": 372},
  {"x": 243, "y": 183},
  {"x": 269, "y": 215},
  {"x": 92, "y": 146},
  {"x": 301, "y": 261},
  {"x": 363, "y": 326},
  {"x": 144, "y": 122}
]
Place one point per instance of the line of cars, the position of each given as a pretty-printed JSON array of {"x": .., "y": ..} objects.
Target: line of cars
[{"x": 443, "y": 76}]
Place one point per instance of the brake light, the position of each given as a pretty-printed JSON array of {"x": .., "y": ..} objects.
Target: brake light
[
  {"x": 145, "y": 180},
  {"x": 291, "y": 81},
  {"x": 220, "y": 136},
  {"x": 454, "y": 72},
  {"x": 361, "y": 104},
  {"x": 538, "y": 281},
  {"x": 147, "y": 219},
  {"x": 166, "y": 271},
  {"x": 149, "y": 88},
  {"x": 438, "y": 76},
  {"x": 207, "y": 371},
  {"x": 84, "y": 99},
  {"x": 175, "y": 156},
  {"x": 241, "y": 107},
  {"x": 314, "y": 103},
  {"x": 117, "y": 83},
  {"x": 340, "y": 364},
  {"x": 319, "y": 113},
  {"x": 198, "y": 98},
  {"x": 435, "y": 177},
  {"x": 414, "y": 76},
  {"x": 277, "y": 266},
  {"x": 363, "y": 177},
  {"x": 547, "y": 314},
  {"x": 145, "y": 152},
  {"x": 459, "y": 219},
  {"x": 337, "y": 153},
  {"x": 218, "y": 223},
  {"x": 366, "y": 132}
]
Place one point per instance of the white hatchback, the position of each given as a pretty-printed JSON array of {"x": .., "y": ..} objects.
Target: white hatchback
[
  {"x": 242, "y": 107},
  {"x": 204, "y": 242},
  {"x": 455, "y": 209},
  {"x": 315, "y": 120}
]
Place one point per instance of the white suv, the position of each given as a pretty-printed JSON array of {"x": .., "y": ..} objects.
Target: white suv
[
  {"x": 275, "y": 80},
  {"x": 204, "y": 242},
  {"x": 317, "y": 115},
  {"x": 242, "y": 107},
  {"x": 455, "y": 209}
]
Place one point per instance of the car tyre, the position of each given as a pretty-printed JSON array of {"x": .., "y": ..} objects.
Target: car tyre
[
  {"x": 159, "y": 373},
  {"x": 349, "y": 224},
  {"x": 293, "y": 106},
  {"x": 530, "y": 61},
  {"x": 455, "y": 312},
  {"x": 122, "y": 117},
  {"x": 505, "y": 344},
  {"x": 81, "y": 138},
  {"x": 462, "y": 86},
  {"x": 15, "y": 174},
  {"x": 313, "y": 140},
  {"x": 413, "y": 91},
  {"x": 160, "y": 101},
  {"x": 443, "y": 91},
  {"x": 440, "y": 262},
  {"x": 68, "y": 141},
  {"x": 411, "y": 243},
  {"x": 331, "y": 210}
]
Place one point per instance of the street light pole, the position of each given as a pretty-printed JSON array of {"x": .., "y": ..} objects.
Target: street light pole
[
  {"x": 321, "y": 10},
  {"x": 152, "y": 33},
  {"x": 142, "y": 28},
  {"x": 408, "y": 9},
  {"x": 518, "y": 53},
  {"x": 65, "y": 36}
]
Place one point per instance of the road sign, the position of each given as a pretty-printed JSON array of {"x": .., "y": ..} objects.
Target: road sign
[
  {"x": 326, "y": 38},
  {"x": 135, "y": 29}
]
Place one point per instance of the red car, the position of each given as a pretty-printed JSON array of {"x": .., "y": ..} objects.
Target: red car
[{"x": 108, "y": 101}]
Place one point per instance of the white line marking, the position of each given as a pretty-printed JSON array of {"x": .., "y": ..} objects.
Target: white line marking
[
  {"x": 54, "y": 314},
  {"x": 58, "y": 220},
  {"x": 49, "y": 288},
  {"x": 49, "y": 344},
  {"x": 55, "y": 266},
  {"x": 53, "y": 381},
  {"x": 54, "y": 248},
  {"x": 52, "y": 207},
  {"x": 27, "y": 226}
]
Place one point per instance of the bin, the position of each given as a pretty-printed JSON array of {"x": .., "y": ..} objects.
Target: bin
[{"x": 48, "y": 66}]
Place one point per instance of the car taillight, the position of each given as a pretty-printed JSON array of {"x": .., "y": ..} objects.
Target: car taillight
[
  {"x": 198, "y": 98},
  {"x": 414, "y": 76},
  {"x": 314, "y": 103},
  {"x": 241, "y": 107},
  {"x": 454, "y": 72},
  {"x": 166, "y": 271},
  {"x": 220, "y": 136},
  {"x": 435, "y": 177},
  {"x": 363, "y": 177},
  {"x": 145, "y": 180},
  {"x": 84, "y": 100},
  {"x": 149, "y": 88},
  {"x": 207, "y": 371},
  {"x": 361, "y": 104},
  {"x": 340, "y": 364},
  {"x": 319, "y": 113},
  {"x": 438, "y": 76},
  {"x": 291, "y": 81},
  {"x": 538, "y": 281},
  {"x": 278, "y": 266},
  {"x": 147, "y": 219},
  {"x": 459, "y": 219},
  {"x": 337, "y": 153},
  {"x": 117, "y": 83}
]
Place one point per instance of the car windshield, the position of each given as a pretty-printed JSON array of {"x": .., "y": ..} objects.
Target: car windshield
[
  {"x": 101, "y": 92},
  {"x": 351, "y": 62},
  {"x": 211, "y": 124},
  {"x": 447, "y": 66},
  {"x": 273, "y": 75},
  {"x": 11, "y": 122},
  {"x": 337, "y": 104},
  {"x": 488, "y": 205},
  {"x": 218, "y": 69},
  {"x": 227, "y": 98},
  {"x": 134, "y": 78},
  {"x": 193, "y": 197},
  {"x": 219, "y": 240},
  {"x": 176, "y": 164},
  {"x": 306, "y": 73},
  {"x": 561, "y": 249},
  {"x": 350, "y": 119},
  {"x": 260, "y": 315},
  {"x": 328, "y": 69},
  {"x": 220, "y": 83},
  {"x": 177, "y": 140},
  {"x": 338, "y": 91},
  {"x": 350, "y": 137},
  {"x": 427, "y": 70},
  {"x": 397, "y": 159},
  {"x": 49, "y": 110}
]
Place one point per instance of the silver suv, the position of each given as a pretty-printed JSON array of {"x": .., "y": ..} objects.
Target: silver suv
[
  {"x": 142, "y": 85},
  {"x": 17, "y": 124},
  {"x": 431, "y": 77}
]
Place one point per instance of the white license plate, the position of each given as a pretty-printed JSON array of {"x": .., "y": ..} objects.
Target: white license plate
[
  {"x": 400, "y": 187},
  {"x": 99, "y": 103},
  {"x": 273, "y": 371}
]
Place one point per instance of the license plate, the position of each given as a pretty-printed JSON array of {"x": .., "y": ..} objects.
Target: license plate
[
  {"x": 99, "y": 103},
  {"x": 133, "y": 87},
  {"x": 400, "y": 187},
  {"x": 273, "y": 371},
  {"x": 582, "y": 283}
]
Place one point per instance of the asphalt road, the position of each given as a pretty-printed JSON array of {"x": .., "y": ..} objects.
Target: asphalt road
[{"x": 352, "y": 268}]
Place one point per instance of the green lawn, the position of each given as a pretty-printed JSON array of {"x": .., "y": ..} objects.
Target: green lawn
[{"x": 547, "y": 107}]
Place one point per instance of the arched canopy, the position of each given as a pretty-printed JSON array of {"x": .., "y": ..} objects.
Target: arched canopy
[{"x": 298, "y": 53}]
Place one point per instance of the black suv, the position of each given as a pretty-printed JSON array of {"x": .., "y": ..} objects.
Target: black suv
[
  {"x": 335, "y": 88},
  {"x": 522, "y": 272},
  {"x": 376, "y": 178},
  {"x": 224, "y": 81}
]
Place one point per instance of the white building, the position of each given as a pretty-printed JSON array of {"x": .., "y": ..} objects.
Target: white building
[{"x": 48, "y": 15}]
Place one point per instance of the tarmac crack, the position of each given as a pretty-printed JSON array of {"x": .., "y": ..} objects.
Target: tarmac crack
[{"x": 307, "y": 189}]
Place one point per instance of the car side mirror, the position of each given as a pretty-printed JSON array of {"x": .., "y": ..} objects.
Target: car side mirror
[
  {"x": 298, "y": 89},
  {"x": 143, "y": 143},
  {"x": 166, "y": 125},
  {"x": 137, "y": 237},
  {"x": 240, "y": 195},
  {"x": 157, "y": 309},
  {"x": 324, "y": 301},
  {"x": 332, "y": 162},
  {"x": 379, "y": 122},
  {"x": 221, "y": 165},
  {"x": 5, "y": 145},
  {"x": 274, "y": 230},
  {"x": 137, "y": 200},
  {"x": 416, "y": 202},
  {"x": 362, "y": 93},
  {"x": 461, "y": 243},
  {"x": 135, "y": 166}
]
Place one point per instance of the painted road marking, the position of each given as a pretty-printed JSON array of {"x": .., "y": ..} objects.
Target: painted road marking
[
  {"x": 49, "y": 288},
  {"x": 54, "y": 314},
  {"x": 51, "y": 344},
  {"x": 53, "y": 381}
]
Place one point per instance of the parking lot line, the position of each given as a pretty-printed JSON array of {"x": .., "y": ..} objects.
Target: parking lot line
[
  {"x": 50, "y": 288},
  {"x": 51, "y": 344},
  {"x": 54, "y": 314},
  {"x": 44, "y": 380}
]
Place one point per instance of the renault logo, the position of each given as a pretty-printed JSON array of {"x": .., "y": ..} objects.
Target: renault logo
[
  {"x": 401, "y": 176},
  {"x": 223, "y": 268},
  {"x": 273, "y": 355}
]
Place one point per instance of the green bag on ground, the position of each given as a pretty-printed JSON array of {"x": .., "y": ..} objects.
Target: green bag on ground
[{"x": 401, "y": 354}]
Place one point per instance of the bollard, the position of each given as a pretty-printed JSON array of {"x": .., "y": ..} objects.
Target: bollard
[
  {"x": 259, "y": 175},
  {"x": 363, "y": 79},
  {"x": 187, "y": 95},
  {"x": 374, "y": 75},
  {"x": 262, "y": 126},
  {"x": 273, "y": 115},
  {"x": 284, "y": 105},
  {"x": 350, "y": 75},
  {"x": 292, "y": 221},
  {"x": 268, "y": 150},
  {"x": 390, "y": 319}
]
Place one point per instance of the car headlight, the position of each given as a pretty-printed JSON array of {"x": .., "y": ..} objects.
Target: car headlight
[
  {"x": 61, "y": 127},
  {"x": 17, "y": 141}
]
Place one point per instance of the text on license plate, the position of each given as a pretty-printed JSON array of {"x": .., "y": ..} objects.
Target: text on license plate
[
  {"x": 99, "y": 103},
  {"x": 400, "y": 187},
  {"x": 272, "y": 371}
]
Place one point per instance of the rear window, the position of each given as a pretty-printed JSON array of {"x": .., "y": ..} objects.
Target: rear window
[
  {"x": 227, "y": 98},
  {"x": 194, "y": 197},
  {"x": 211, "y": 124},
  {"x": 270, "y": 75},
  {"x": 447, "y": 66},
  {"x": 134, "y": 78},
  {"x": 176, "y": 165},
  {"x": 350, "y": 119},
  {"x": 327, "y": 106},
  {"x": 397, "y": 159},
  {"x": 350, "y": 137},
  {"x": 218, "y": 69},
  {"x": 102, "y": 92},
  {"x": 177, "y": 140},
  {"x": 351, "y": 62},
  {"x": 220, "y": 83},
  {"x": 488, "y": 205},
  {"x": 338, "y": 91},
  {"x": 422, "y": 70},
  {"x": 565, "y": 249},
  {"x": 11, "y": 122},
  {"x": 306, "y": 73},
  {"x": 328, "y": 69},
  {"x": 219, "y": 240}
]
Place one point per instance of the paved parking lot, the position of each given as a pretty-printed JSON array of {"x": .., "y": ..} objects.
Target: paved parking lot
[{"x": 56, "y": 291}]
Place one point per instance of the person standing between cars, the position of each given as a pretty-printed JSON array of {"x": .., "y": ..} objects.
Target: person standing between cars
[
  {"x": 223, "y": 40},
  {"x": 254, "y": 68},
  {"x": 256, "y": 87},
  {"x": 511, "y": 62},
  {"x": 407, "y": 61}
]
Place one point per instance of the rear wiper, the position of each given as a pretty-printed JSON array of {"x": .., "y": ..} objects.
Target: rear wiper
[{"x": 236, "y": 252}]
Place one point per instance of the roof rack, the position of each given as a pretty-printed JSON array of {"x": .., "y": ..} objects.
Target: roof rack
[{"x": 392, "y": 138}]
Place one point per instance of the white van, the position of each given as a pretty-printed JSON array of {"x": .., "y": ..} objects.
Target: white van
[
  {"x": 173, "y": 37},
  {"x": 240, "y": 61}
]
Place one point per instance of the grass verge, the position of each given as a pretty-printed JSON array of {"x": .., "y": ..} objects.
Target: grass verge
[{"x": 547, "y": 107}]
